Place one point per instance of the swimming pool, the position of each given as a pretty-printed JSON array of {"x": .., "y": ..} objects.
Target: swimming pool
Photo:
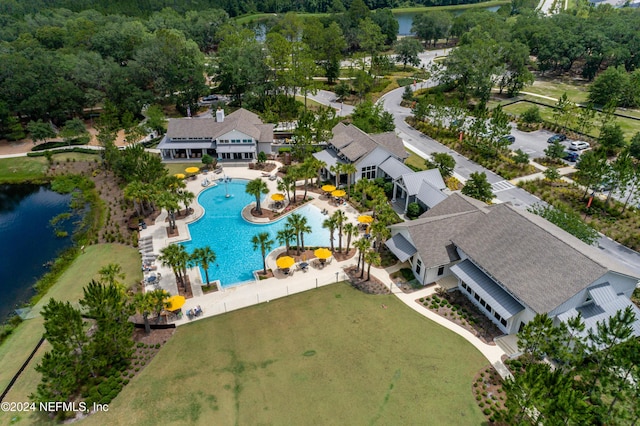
[{"x": 224, "y": 230}]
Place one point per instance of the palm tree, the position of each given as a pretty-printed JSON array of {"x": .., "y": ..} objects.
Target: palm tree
[
  {"x": 362, "y": 245},
  {"x": 297, "y": 222},
  {"x": 204, "y": 257},
  {"x": 168, "y": 201},
  {"x": 257, "y": 187},
  {"x": 186, "y": 197},
  {"x": 176, "y": 257},
  {"x": 350, "y": 230},
  {"x": 349, "y": 169},
  {"x": 318, "y": 166},
  {"x": 340, "y": 218},
  {"x": 381, "y": 233},
  {"x": 330, "y": 224},
  {"x": 136, "y": 191},
  {"x": 285, "y": 235},
  {"x": 364, "y": 186},
  {"x": 304, "y": 228},
  {"x": 371, "y": 257},
  {"x": 336, "y": 169},
  {"x": 308, "y": 171},
  {"x": 263, "y": 242},
  {"x": 111, "y": 273},
  {"x": 148, "y": 303}
]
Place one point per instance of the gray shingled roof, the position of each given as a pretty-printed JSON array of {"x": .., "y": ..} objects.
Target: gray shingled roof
[
  {"x": 536, "y": 266},
  {"x": 392, "y": 143},
  {"x": 354, "y": 144},
  {"x": 432, "y": 236},
  {"x": 455, "y": 203},
  {"x": 207, "y": 128},
  {"x": 328, "y": 156},
  {"x": 190, "y": 128}
]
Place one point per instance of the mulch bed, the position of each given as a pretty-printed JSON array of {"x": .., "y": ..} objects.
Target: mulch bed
[
  {"x": 371, "y": 286},
  {"x": 117, "y": 227},
  {"x": 272, "y": 214},
  {"x": 483, "y": 328},
  {"x": 185, "y": 290}
]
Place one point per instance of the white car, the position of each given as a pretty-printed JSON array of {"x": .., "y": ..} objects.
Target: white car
[{"x": 579, "y": 146}]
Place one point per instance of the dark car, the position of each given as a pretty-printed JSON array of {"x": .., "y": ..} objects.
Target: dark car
[
  {"x": 571, "y": 156},
  {"x": 508, "y": 139},
  {"x": 557, "y": 138}
]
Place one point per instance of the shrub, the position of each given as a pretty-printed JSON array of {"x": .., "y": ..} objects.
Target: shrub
[{"x": 486, "y": 411}]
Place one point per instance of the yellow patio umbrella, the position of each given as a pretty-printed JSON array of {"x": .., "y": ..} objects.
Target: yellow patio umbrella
[
  {"x": 338, "y": 193},
  {"x": 175, "y": 302},
  {"x": 322, "y": 253},
  {"x": 192, "y": 169},
  {"x": 277, "y": 197},
  {"x": 365, "y": 218},
  {"x": 328, "y": 188},
  {"x": 180, "y": 175},
  {"x": 285, "y": 262}
]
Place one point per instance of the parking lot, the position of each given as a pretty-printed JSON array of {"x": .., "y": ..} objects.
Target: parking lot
[{"x": 534, "y": 143}]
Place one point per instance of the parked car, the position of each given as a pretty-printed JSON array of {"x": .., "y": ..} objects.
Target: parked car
[
  {"x": 571, "y": 156},
  {"x": 210, "y": 98},
  {"x": 508, "y": 139},
  {"x": 559, "y": 137},
  {"x": 579, "y": 146}
]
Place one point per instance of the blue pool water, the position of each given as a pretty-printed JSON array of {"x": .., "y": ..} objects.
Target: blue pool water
[{"x": 224, "y": 230}]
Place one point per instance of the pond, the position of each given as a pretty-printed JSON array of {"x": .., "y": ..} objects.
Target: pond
[
  {"x": 28, "y": 240},
  {"x": 405, "y": 20}
]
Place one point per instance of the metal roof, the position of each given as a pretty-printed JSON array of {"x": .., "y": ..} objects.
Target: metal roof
[
  {"x": 605, "y": 305},
  {"x": 394, "y": 168},
  {"x": 328, "y": 156},
  {"x": 401, "y": 247},
  {"x": 166, "y": 144},
  {"x": 413, "y": 181},
  {"x": 501, "y": 301},
  {"x": 429, "y": 195}
]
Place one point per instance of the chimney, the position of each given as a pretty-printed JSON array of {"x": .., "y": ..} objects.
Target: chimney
[{"x": 219, "y": 115}]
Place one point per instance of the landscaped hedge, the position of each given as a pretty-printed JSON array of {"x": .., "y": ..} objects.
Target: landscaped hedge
[
  {"x": 58, "y": 151},
  {"x": 82, "y": 140}
]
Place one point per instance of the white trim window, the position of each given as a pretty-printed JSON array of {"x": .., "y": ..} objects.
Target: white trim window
[{"x": 369, "y": 172}]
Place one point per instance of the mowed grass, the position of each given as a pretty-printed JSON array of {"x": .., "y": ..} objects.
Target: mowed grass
[
  {"x": 629, "y": 126},
  {"x": 20, "y": 169},
  {"x": 414, "y": 160},
  {"x": 175, "y": 168},
  {"x": 577, "y": 91},
  {"x": 15, "y": 350},
  {"x": 330, "y": 356}
]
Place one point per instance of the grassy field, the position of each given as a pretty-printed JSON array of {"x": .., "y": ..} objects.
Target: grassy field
[
  {"x": 21, "y": 169},
  {"x": 629, "y": 126},
  {"x": 327, "y": 356},
  {"x": 175, "y": 168},
  {"x": 457, "y": 7},
  {"x": 16, "y": 348},
  {"x": 577, "y": 91}
]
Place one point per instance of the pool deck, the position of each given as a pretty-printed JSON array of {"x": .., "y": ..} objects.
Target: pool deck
[{"x": 255, "y": 292}]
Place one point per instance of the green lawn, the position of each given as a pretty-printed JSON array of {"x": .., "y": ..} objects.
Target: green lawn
[
  {"x": 629, "y": 126},
  {"x": 576, "y": 90},
  {"x": 328, "y": 356},
  {"x": 14, "y": 351},
  {"x": 175, "y": 168},
  {"x": 458, "y": 7},
  {"x": 415, "y": 160},
  {"x": 21, "y": 169}
]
